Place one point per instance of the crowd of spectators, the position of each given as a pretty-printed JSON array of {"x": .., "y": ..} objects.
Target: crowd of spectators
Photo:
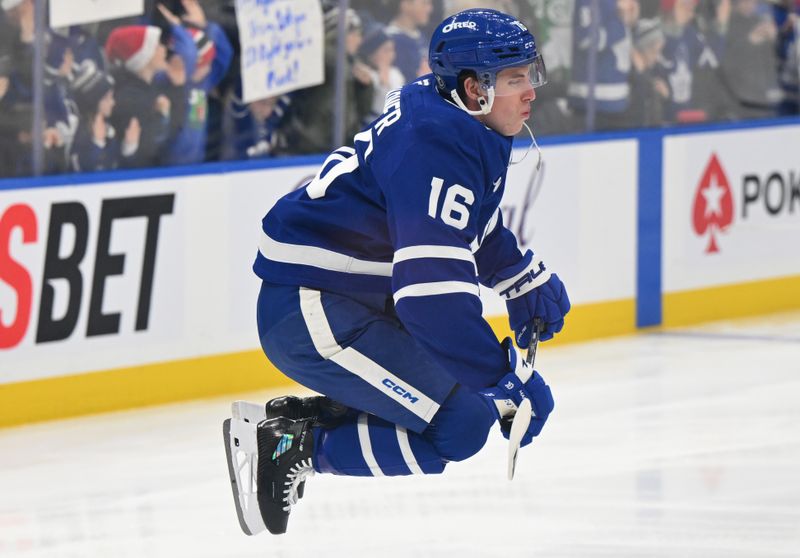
[{"x": 165, "y": 89}]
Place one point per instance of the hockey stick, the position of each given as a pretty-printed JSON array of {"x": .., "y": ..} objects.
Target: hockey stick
[{"x": 522, "y": 418}]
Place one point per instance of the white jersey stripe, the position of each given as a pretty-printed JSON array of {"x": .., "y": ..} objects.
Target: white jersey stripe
[
  {"x": 317, "y": 324},
  {"x": 384, "y": 381},
  {"x": 436, "y": 288},
  {"x": 366, "y": 445},
  {"x": 424, "y": 251},
  {"x": 362, "y": 366},
  {"x": 405, "y": 449},
  {"x": 320, "y": 257}
]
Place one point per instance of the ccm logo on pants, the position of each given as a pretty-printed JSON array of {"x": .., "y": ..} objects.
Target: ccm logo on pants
[{"x": 400, "y": 390}]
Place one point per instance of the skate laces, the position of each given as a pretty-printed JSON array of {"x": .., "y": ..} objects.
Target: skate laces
[{"x": 299, "y": 472}]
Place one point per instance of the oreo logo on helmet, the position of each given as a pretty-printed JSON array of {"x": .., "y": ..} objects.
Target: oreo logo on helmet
[{"x": 459, "y": 25}]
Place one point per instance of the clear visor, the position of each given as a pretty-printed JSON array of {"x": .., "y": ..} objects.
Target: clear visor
[{"x": 519, "y": 79}]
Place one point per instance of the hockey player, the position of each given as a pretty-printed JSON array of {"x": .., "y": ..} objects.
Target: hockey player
[{"x": 370, "y": 285}]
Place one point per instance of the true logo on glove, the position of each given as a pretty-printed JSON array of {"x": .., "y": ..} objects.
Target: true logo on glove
[{"x": 528, "y": 277}]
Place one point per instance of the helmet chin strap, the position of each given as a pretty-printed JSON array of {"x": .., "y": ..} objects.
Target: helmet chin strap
[
  {"x": 486, "y": 105},
  {"x": 530, "y": 147}
]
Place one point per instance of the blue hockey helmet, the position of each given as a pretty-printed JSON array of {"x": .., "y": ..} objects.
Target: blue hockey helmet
[{"x": 486, "y": 42}]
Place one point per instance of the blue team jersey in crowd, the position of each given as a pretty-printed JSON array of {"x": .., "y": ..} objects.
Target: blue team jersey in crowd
[
  {"x": 612, "y": 64},
  {"x": 411, "y": 211}
]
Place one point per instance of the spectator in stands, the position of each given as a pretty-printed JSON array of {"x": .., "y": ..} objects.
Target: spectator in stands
[
  {"x": 750, "y": 64},
  {"x": 61, "y": 115},
  {"x": 222, "y": 12},
  {"x": 84, "y": 46},
  {"x": 212, "y": 54},
  {"x": 173, "y": 82},
  {"x": 378, "y": 52},
  {"x": 550, "y": 21},
  {"x": 60, "y": 123},
  {"x": 96, "y": 146},
  {"x": 254, "y": 128},
  {"x": 137, "y": 55},
  {"x": 405, "y": 29},
  {"x": 692, "y": 60},
  {"x": 308, "y": 124},
  {"x": 649, "y": 88},
  {"x": 609, "y": 87},
  {"x": 16, "y": 116}
]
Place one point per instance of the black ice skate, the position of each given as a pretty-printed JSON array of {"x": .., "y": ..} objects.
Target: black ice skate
[
  {"x": 267, "y": 463},
  {"x": 323, "y": 410},
  {"x": 285, "y": 449}
]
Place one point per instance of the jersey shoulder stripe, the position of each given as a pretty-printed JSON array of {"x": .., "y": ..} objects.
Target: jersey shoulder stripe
[{"x": 315, "y": 256}]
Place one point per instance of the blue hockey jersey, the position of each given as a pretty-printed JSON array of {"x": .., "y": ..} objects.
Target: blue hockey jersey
[{"x": 410, "y": 211}]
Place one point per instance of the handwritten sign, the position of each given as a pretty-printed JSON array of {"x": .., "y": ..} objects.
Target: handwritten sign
[
  {"x": 282, "y": 44},
  {"x": 75, "y": 12}
]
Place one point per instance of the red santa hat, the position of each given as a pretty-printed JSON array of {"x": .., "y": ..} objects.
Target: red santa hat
[{"x": 133, "y": 45}]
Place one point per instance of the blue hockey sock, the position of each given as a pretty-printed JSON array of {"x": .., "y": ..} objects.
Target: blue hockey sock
[{"x": 365, "y": 445}]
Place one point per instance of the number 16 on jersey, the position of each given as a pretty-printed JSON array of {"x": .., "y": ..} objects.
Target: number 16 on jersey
[{"x": 454, "y": 210}]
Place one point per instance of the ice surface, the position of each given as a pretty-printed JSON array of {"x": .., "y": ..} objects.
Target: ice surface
[{"x": 682, "y": 443}]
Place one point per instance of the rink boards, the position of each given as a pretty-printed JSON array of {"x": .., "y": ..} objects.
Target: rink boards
[{"x": 135, "y": 288}]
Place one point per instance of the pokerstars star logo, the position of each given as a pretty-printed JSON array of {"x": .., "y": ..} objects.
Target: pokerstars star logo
[{"x": 713, "y": 204}]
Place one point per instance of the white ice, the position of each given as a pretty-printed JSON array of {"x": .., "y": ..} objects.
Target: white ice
[{"x": 683, "y": 443}]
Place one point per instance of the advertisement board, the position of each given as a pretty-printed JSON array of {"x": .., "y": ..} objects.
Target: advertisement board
[
  {"x": 731, "y": 207},
  {"x": 103, "y": 276}
]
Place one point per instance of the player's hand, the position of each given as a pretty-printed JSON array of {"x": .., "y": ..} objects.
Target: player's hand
[
  {"x": 549, "y": 302},
  {"x": 530, "y": 292},
  {"x": 520, "y": 383}
]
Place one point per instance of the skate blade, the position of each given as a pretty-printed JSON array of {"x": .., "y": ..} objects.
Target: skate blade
[
  {"x": 242, "y": 455},
  {"x": 248, "y": 411}
]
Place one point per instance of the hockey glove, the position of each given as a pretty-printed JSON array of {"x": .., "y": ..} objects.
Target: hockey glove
[
  {"x": 531, "y": 291},
  {"x": 509, "y": 392}
]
